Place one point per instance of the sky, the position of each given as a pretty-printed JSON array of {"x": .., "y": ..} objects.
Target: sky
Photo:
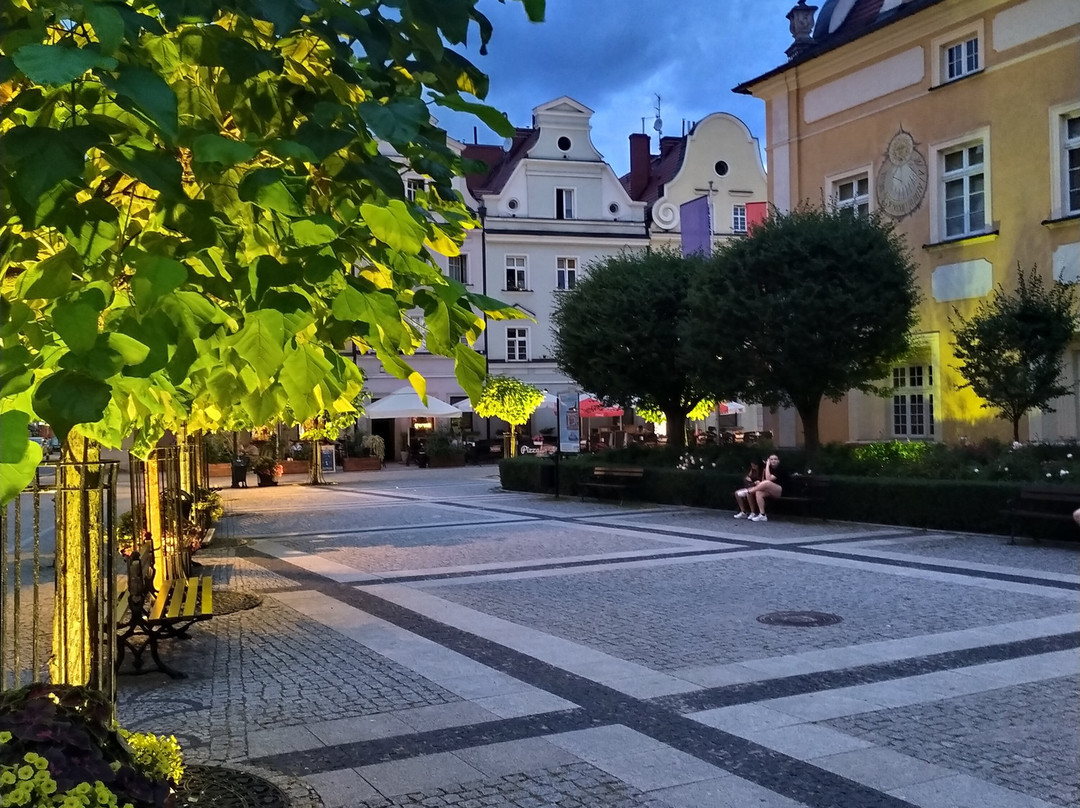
[{"x": 615, "y": 56}]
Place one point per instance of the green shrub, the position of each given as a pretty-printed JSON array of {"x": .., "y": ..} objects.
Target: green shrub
[{"x": 218, "y": 448}]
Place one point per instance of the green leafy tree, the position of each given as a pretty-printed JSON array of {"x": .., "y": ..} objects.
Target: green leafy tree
[
  {"x": 510, "y": 399},
  {"x": 618, "y": 333},
  {"x": 198, "y": 211},
  {"x": 1013, "y": 347},
  {"x": 814, "y": 303}
]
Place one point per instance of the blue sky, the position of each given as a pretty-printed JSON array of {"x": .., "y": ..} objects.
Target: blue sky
[{"x": 614, "y": 56}]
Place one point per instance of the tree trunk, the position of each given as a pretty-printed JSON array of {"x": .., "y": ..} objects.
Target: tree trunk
[
  {"x": 676, "y": 427},
  {"x": 1016, "y": 428},
  {"x": 315, "y": 477},
  {"x": 808, "y": 413},
  {"x": 513, "y": 440},
  {"x": 80, "y": 532}
]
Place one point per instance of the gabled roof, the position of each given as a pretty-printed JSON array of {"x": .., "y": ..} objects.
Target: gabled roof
[
  {"x": 840, "y": 22},
  {"x": 501, "y": 161},
  {"x": 662, "y": 169}
]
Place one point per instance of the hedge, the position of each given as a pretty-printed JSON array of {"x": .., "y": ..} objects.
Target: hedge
[{"x": 963, "y": 505}]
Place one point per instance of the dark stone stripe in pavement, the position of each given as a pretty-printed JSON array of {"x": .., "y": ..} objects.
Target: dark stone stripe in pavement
[
  {"x": 768, "y": 768},
  {"x": 1012, "y": 577},
  {"x": 450, "y": 739},
  {"x": 749, "y": 692},
  {"x": 588, "y": 562}
]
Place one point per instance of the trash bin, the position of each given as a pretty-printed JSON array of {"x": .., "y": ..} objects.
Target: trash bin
[{"x": 239, "y": 472}]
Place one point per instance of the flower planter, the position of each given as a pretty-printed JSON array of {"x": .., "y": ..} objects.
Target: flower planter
[
  {"x": 446, "y": 461},
  {"x": 266, "y": 478},
  {"x": 220, "y": 469},
  {"x": 362, "y": 464}
]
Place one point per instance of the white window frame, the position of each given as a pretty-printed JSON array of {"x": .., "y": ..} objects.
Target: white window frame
[
  {"x": 1060, "y": 146},
  {"x": 566, "y": 272},
  {"x": 738, "y": 218},
  {"x": 939, "y": 48},
  {"x": 459, "y": 273},
  {"x": 565, "y": 203},
  {"x": 834, "y": 182},
  {"x": 911, "y": 406},
  {"x": 937, "y": 180},
  {"x": 517, "y": 344},
  {"x": 519, "y": 265},
  {"x": 413, "y": 185}
]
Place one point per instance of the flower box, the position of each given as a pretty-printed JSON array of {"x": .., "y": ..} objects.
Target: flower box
[{"x": 362, "y": 464}]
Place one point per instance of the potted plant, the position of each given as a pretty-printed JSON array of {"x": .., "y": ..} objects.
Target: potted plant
[
  {"x": 266, "y": 469},
  {"x": 370, "y": 450},
  {"x": 444, "y": 451}
]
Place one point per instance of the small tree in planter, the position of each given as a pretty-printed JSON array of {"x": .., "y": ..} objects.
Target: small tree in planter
[{"x": 510, "y": 399}]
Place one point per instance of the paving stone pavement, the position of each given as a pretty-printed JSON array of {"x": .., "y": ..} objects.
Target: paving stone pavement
[{"x": 426, "y": 639}]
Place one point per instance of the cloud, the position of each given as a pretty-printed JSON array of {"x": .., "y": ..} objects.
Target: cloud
[{"x": 614, "y": 56}]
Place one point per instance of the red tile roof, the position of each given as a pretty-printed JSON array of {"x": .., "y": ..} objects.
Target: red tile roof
[
  {"x": 500, "y": 161},
  {"x": 662, "y": 169}
]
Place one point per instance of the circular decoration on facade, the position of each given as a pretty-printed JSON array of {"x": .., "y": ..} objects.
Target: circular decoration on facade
[
  {"x": 613, "y": 208},
  {"x": 666, "y": 215},
  {"x": 512, "y": 204},
  {"x": 721, "y": 168},
  {"x": 800, "y": 619},
  {"x": 222, "y": 787},
  {"x": 564, "y": 143},
  {"x": 902, "y": 178}
]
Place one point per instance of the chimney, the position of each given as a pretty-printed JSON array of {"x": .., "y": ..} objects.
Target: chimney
[
  {"x": 801, "y": 19},
  {"x": 639, "y": 164}
]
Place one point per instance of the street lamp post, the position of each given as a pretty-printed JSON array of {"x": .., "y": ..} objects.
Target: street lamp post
[{"x": 482, "y": 211}]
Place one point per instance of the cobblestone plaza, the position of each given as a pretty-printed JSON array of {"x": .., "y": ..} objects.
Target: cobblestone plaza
[{"x": 427, "y": 639}]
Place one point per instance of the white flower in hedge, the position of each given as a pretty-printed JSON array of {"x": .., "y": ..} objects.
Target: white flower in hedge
[
  {"x": 1062, "y": 473},
  {"x": 1016, "y": 444},
  {"x": 976, "y": 471},
  {"x": 1048, "y": 474},
  {"x": 1068, "y": 456}
]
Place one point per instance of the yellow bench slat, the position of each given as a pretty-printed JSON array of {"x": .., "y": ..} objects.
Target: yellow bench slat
[
  {"x": 191, "y": 594},
  {"x": 207, "y": 595}
]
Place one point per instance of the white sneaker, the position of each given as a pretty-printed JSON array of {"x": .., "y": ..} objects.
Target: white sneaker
[
  {"x": 760, "y": 518},
  {"x": 741, "y": 515}
]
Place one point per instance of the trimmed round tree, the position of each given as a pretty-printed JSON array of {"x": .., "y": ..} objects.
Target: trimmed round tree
[
  {"x": 618, "y": 334},
  {"x": 510, "y": 399},
  {"x": 814, "y": 303}
]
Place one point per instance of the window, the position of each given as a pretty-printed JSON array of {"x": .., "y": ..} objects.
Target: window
[
  {"x": 458, "y": 269},
  {"x": 964, "y": 192},
  {"x": 961, "y": 59},
  {"x": 738, "y": 219},
  {"x": 565, "y": 273},
  {"x": 853, "y": 193},
  {"x": 913, "y": 401},
  {"x": 564, "y": 203},
  {"x": 1070, "y": 162},
  {"x": 516, "y": 276},
  {"x": 517, "y": 345},
  {"x": 413, "y": 186}
]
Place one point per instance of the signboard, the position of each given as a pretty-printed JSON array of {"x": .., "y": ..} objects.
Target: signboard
[
  {"x": 326, "y": 459},
  {"x": 569, "y": 423}
]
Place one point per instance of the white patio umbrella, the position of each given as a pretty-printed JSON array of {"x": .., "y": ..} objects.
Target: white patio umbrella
[{"x": 405, "y": 403}]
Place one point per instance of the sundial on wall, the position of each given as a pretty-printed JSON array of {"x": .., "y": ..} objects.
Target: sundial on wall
[{"x": 901, "y": 180}]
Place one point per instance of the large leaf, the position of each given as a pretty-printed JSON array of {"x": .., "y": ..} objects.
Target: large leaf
[
  {"x": 70, "y": 397},
  {"x": 394, "y": 225},
  {"x": 58, "y": 64},
  {"x": 301, "y": 374},
  {"x": 140, "y": 89},
  {"x": 268, "y": 189},
  {"x": 77, "y": 324},
  {"x": 310, "y": 233},
  {"x": 108, "y": 26},
  {"x": 19, "y": 456},
  {"x": 470, "y": 370},
  {"x": 397, "y": 122},
  {"x": 219, "y": 149},
  {"x": 377, "y": 308},
  {"x": 49, "y": 279},
  {"x": 259, "y": 342},
  {"x": 155, "y": 277}
]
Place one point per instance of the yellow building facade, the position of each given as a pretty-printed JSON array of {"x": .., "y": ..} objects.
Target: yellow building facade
[{"x": 960, "y": 120}]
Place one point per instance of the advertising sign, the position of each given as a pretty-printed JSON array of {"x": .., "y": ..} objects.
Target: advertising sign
[
  {"x": 569, "y": 423},
  {"x": 326, "y": 459}
]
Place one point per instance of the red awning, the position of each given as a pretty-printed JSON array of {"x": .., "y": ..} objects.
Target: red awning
[{"x": 591, "y": 408}]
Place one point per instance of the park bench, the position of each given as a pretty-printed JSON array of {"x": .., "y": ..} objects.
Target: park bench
[
  {"x": 1046, "y": 503},
  {"x": 803, "y": 494},
  {"x": 159, "y": 613},
  {"x": 612, "y": 478}
]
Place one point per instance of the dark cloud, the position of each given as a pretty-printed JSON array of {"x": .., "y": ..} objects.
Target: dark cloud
[{"x": 614, "y": 56}]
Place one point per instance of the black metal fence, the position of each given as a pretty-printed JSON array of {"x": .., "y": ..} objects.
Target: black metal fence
[{"x": 58, "y": 610}]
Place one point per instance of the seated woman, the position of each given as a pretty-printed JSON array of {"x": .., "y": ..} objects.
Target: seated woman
[
  {"x": 747, "y": 506},
  {"x": 771, "y": 485}
]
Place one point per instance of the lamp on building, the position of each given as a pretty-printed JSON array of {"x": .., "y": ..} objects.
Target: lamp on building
[{"x": 801, "y": 19}]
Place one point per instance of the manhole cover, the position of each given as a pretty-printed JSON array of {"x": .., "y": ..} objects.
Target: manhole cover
[
  {"x": 220, "y": 787},
  {"x": 800, "y": 619}
]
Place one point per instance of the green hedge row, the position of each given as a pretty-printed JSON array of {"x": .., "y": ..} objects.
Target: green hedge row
[{"x": 964, "y": 505}]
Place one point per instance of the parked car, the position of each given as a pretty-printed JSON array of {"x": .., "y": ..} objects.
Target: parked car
[{"x": 43, "y": 444}]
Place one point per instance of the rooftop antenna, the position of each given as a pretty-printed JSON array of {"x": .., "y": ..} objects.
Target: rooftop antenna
[
  {"x": 643, "y": 119},
  {"x": 658, "y": 124}
]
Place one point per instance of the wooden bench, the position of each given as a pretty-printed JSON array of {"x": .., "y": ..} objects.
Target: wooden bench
[
  {"x": 1048, "y": 503},
  {"x": 613, "y": 478},
  {"x": 162, "y": 613}
]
